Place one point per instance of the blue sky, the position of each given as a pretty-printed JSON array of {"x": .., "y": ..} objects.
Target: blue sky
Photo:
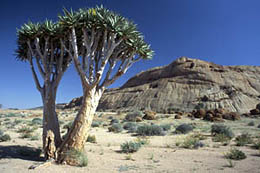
[{"x": 225, "y": 32}]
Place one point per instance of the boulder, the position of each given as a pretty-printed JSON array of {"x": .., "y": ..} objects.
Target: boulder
[
  {"x": 201, "y": 113},
  {"x": 177, "y": 116},
  {"x": 254, "y": 111},
  {"x": 149, "y": 115}
]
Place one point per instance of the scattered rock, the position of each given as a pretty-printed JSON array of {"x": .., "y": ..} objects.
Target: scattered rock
[
  {"x": 177, "y": 116},
  {"x": 201, "y": 113},
  {"x": 254, "y": 111},
  {"x": 149, "y": 115}
]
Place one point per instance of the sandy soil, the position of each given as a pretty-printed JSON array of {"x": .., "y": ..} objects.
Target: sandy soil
[{"x": 160, "y": 155}]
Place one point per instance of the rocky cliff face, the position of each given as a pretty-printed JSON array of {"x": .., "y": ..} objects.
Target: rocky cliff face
[{"x": 186, "y": 84}]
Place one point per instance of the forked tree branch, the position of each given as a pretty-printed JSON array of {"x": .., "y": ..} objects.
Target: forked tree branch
[{"x": 36, "y": 80}]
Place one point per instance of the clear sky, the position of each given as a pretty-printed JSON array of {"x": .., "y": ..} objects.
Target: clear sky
[{"x": 225, "y": 32}]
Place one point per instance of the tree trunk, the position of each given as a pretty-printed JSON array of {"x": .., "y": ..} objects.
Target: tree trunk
[
  {"x": 51, "y": 130},
  {"x": 75, "y": 140}
]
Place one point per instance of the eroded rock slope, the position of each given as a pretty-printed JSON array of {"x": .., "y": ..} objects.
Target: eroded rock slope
[{"x": 186, "y": 84}]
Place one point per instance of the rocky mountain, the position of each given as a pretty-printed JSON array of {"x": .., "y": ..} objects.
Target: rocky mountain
[{"x": 186, "y": 84}]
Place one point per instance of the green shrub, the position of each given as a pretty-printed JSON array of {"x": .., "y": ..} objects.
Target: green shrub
[
  {"x": 114, "y": 121},
  {"x": 198, "y": 136},
  {"x": 92, "y": 139},
  {"x": 225, "y": 140},
  {"x": 37, "y": 121},
  {"x": 184, "y": 129},
  {"x": 117, "y": 128},
  {"x": 34, "y": 138},
  {"x": 95, "y": 124},
  {"x": 17, "y": 121},
  {"x": 25, "y": 130},
  {"x": 150, "y": 130},
  {"x": 26, "y": 135},
  {"x": 130, "y": 147},
  {"x": 133, "y": 115},
  {"x": 166, "y": 127},
  {"x": 131, "y": 127},
  {"x": 221, "y": 129},
  {"x": 256, "y": 144},
  {"x": 79, "y": 156},
  {"x": 251, "y": 123},
  {"x": 243, "y": 139},
  {"x": 190, "y": 142},
  {"x": 235, "y": 154},
  {"x": 5, "y": 137}
]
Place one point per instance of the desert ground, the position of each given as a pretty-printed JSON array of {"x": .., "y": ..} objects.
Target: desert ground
[{"x": 160, "y": 153}]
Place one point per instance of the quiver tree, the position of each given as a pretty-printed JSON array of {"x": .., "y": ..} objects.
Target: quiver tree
[
  {"x": 103, "y": 45},
  {"x": 42, "y": 46}
]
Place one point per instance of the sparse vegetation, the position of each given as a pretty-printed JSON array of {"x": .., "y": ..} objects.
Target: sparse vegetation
[
  {"x": 130, "y": 147},
  {"x": 79, "y": 157},
  {"x": 221, "y": 129},
  {"x": 96, "y": 124},
  {"x": 243, "y": 139},
  {"x": 37, "y": 121},
  {"x": 235, "y": 154},
  {"x": 117, "y": 128},
  {"x": 150, "y": 130},
  {"x": 92, "y": 139},
  {"x": 225, "y": 140},
  {"x": 190, "y": 142},
  {"x": 133, "y": 115},
  {"x": 166, "y": 127},
  {"x": 251, "y": 123},
  {"x": 4, "y": 137},
  {"x": 184, "y": 129}
]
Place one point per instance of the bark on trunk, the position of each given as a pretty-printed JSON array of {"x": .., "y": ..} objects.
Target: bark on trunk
[
  {"x": 78, "y": 134},
  {"x": 51, "y": 130}
]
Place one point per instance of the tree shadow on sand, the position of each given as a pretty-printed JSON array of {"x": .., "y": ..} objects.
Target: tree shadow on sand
[{"x": 20, "y": 152}]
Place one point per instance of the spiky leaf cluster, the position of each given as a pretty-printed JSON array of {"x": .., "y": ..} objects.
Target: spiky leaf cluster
[
  {"x": 100, "y": 19},
  {"x": 30, "y": 31}
]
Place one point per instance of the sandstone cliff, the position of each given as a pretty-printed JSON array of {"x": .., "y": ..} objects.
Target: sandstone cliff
[{"x": 186, "y": 84}]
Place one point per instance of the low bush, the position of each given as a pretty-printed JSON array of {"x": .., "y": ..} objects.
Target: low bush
[
  {"x": 114, "y": 121},
  {"x": 133, "y": 115},
  {"x": 17, "y": 121},
  {"x": 198, "y": 136},
  {"x": 256, "y": 144},
  {"x": 184, "y": 129},
  {"x": 37, "y": 121},
  {"x": 251, "y": 123},
  {"x": 166, "y": 127},
  {"x": 79, "y": 157},
  {"x": 150, "y": 130},
  {"x": 131, "y": 127},
  {"x": 190, "y": 142},
  {"x": 92, "y": 139},
  {"x": 235, "y": 154},
  {"x": 221, "y": 129},
  {"x": 117, "y": 128},
  {"x": 5, "y": 137},
  {"x": 243, "y": 139},
  {"x": 25, "y": 130},
  {"x": 225, "y": 140},
  {"x": 96, "y": 124},
  {"x": 130, "y": 147}
]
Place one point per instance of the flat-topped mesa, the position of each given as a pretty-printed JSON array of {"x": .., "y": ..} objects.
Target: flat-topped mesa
[{"x": 186, "y": 84}]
